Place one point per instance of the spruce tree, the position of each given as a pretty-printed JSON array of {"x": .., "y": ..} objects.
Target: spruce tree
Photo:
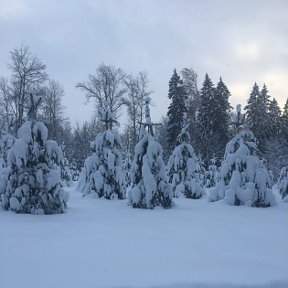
[
  {"x": 102, "y": 172},
  {"x": 258, "y": 115},
  {"x": 244, "y": 179},
  {"x": 184, "y": 168},
  {"x": 221, "y": 118},
  {"x": 176, "y": 109},
  {"x": 149, "y": 184},
  {"x": 32, "y": 181},
  {"x": 251, "y": 107},
  {"x": 206, "y": 120}
]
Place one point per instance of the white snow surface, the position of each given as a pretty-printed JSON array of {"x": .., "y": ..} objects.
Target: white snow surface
[{"x": 102, "y": 243}]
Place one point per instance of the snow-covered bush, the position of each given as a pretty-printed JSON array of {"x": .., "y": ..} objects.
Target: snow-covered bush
[
  {"x": 212, "y": 175},
  {"x": 184, "y": 169},
  {"x": 244, "y": 179},
  {"x": 32, "y": 182},
  {"x": 102, "y": 172},
  {"x": 282, "y": 183},
  {"x": 149, "y": 184}
]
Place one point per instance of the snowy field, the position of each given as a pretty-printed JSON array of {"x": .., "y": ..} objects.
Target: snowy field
[{"x": 102, "y": 243}]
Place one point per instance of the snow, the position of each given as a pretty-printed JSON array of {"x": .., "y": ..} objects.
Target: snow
[{"x": 100, "y": 243}]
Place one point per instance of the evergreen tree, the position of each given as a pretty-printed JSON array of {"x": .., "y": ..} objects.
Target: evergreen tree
[
  {"x": 284, "y": 123},
  {"x": 244, "y": 179},
  {"x": 221, "y": 118},
  {"x": 212, "y": 175},
  {"x": 283, "y": 182},
  {"x": 149, "y": 186},
  {"x": 32, "y": 181},
  {"x": 102, "y": 172},
  {"x": 184, "y": 168},
  {"x": 251, "y": 107},
  {"x": 274, "y": 113},
  {"x": 176, "y": 109},
  {"x": 258, "y": 115},
  {"x": 206, "y": 120}
]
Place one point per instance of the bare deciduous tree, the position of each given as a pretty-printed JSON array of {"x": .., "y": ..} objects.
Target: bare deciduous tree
[
  {"x": 134, "y": 100},
  {"x": 106, "y": 86},
  {"x": 28, "y": 72},
  {"x": 53, "y": 110}
]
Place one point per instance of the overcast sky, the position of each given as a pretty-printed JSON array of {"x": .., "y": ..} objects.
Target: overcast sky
[{"x": 242, "y": 41}]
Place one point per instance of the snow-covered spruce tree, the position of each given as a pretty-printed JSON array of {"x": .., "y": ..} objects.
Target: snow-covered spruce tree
[
  {"x": 33, "y": 182},
  {"x": 212, "y": 174},
  {"x": 282, "y": 183},
  {"x": 102, "y": 172},
  {"x": 149, "y": 184},
  {"x": 244, "y": 179},
  {"x": 184, "y": 168}
]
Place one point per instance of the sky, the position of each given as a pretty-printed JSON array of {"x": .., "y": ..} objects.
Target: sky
[{"x": 241, "y": 41}]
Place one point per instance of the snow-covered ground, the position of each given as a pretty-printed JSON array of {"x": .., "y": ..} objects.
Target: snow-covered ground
[{"x": 102, "y": 243}]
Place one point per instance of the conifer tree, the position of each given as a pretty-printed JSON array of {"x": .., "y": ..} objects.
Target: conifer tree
[
  {"x": 184, "y": 168},
  {"x": 212, "y": 175},
  {"x": 244, "y": 179},
  {"x": 221, "y": 118},
  {"x": 206, "y": 119},
  {"x": 258, "y": 115},
  {"x": 32, "y": 182},
  {"x": 251, "y": 107},
  {"x": 102, "y": 172},
  {"x": 274, "y": 113},
  {"x": 282, "y": 183},
  {"x": 284, "y": 122},
  {"x": 149, "y": 183},
  {"x": 176, "y": 109}
]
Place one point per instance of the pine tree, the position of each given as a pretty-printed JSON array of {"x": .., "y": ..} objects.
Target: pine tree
[
  {"x": 184, "y": 168},
  {"x": 102, "y": 173},
  {"x": 32, "y": 181},
  {"x": 176, "y": 109},
  {"x": 244, "y": 179},
  {"x": 149, "y": 187}
]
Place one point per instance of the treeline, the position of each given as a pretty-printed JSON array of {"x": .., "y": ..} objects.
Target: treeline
[{"x": 207, "y": 110}]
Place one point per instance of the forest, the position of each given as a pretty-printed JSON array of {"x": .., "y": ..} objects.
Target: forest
[{"x": 202, "y": 144}]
